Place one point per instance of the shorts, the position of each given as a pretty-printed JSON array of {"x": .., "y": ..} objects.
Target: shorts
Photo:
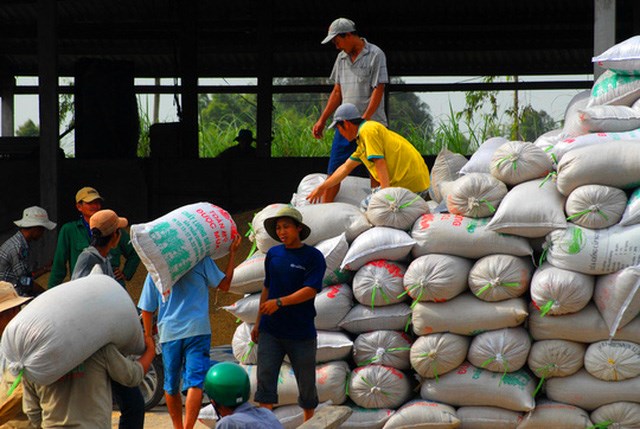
[
  {"x": 187, "y": 358},
  {"x": 302, "y": 355},
  {"x": 341, "y": 150}
]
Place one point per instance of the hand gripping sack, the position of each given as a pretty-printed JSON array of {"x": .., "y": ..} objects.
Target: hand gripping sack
[
  {"x": 480, "y": 161},
  {"x": 436, "y": 277},
  {"x": 471, "y": 386},
  {"x": 396, "y": 208},
  {"x": 595, "y": 206},
  {"x": 64, "y": 326},
  {"x": 531, "y": 209},
  {"x": 436, "y": 354},
  {"x": 379, "y": 283},
  {"x": 384, "y": 347},
  {"x": 618, "y": 414},
  {"x": 587, "y": 392},
  {"x": 617, "y": 297},
  {"x": 593, "y": 251},
  {"x": 612, "y": 164},
  {"x": 352, "y": 189},
  {"x": 377, "y": 243},
  {"x": 467, "y": 315},
  {"x": 585, "y": 326},
  {"x": 555, "y": 358},
  {"x": 613, "y": 360},
  {"x": 174, "y": 243},
  {"x": 426, "y": 414},
  {"x": 503, "y": 350},
  {"x": 499, "y": 277},
  {"x": 488, "y": 418},
  {"x": 379, "y": 386},
  {"x": 446, "y": 168},
  {"x": 556, "y": 291},
  {"x": 622, "y": 58},
  {"x": 332, "y": 304},
  {"x": 463, "y": 236},
  {"x": 549, "y": 414},
  {"x": 516, "y": 162},
  {"x": 475, "y": 195}
]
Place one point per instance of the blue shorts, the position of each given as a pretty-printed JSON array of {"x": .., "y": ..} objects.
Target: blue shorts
[
  {"x": 187, "y": 358},
  {"x": 341, "y": 150}
]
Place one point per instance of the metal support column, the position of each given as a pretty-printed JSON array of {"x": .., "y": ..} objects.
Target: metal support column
[
  {"x": 265, "y": 79},
  {"x": 604, "y": 29}
]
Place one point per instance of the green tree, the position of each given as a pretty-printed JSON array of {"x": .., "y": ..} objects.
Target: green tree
[
  {"x": 534, "y": 123},
  {"x": 28, "y": 129}
]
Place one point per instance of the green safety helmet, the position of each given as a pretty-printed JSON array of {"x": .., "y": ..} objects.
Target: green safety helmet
[{"x": 227, "y": 384}]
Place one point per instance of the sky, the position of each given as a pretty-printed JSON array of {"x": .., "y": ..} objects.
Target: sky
[{"x": 554, "y": 102}]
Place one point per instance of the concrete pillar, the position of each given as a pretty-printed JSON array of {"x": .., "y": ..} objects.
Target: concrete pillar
[{"x": 604, "y": 29}]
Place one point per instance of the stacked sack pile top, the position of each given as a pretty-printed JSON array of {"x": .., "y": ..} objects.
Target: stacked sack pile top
[{"x": 508, "y": 301}]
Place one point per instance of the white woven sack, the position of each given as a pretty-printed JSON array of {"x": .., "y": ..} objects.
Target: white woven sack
[
  {"x": 436, "y": 354},
  {"x": 587, "y": 392},
  {"x": 338, "y": 277},
  {"x": 424, "y": 414},
  {"x": 334, "y": 250},
  {"x": 595, "y": 206},
  {"x": 207, "y": 416},
  {"x": 571, "y": 126},
  {"x": 352, "y": 189},
  {"x": 246, "y": 308},
  {"x": 332, "y": 219},
  {"x": 488, "y": 418},
  {"x": 174, "y": 243},
  {"x": 585, "y": 326},
  {"x": 617, "y": 297},
  {"x": 331, "y": 380},
  {"x": 549, "y": 140},
  {"x": 436, "y": 277},
  {"x": 614, "y": 88},
  {"x": 332, "y": 346},
  {"x": 378, "y": 386},
  {"x": 446, "y": 168},
  {"x": 499, "y": 277},
  {"x": 363, "y": 318},
  {"x": 572, "y": 143},
  {"x": 377, "y": 243},
  {"x": 480, "y": 161},
  {"x": 618, "y": 415},
  {"x": 462, "y": 236},
  {"x": 597, "y": 119},
  {"x": 384, "y": 347},
  {"x": 594, "y": 251},
  {"x": 531, "y": 209},
  {"x": 502, "y": 350},
  {"x": 613, "y": 164},
  {"x": 396, "y": 208},
  {"x": 622, "y": 58},
  {"x": 613, "y": 360},
  {"x": 64, "y": 326},
  {"x": 475, "y": 195},
  {"x": 292, "y": 416},
  {"x": 631, "y": 215},
  {"x": 556, "y": 291},
  {"x": 549, "y": 414},
  {"x": 248, "y": 276},
  {"x": 332, "y": 304},
  {"x": 516, "y": 162},
  {"x": 379, "y": 283},
  {"x": 467, "y": 315},
  {"x": 471, "y": 386},
  {"x": 244, "y": 349},
  {"x": 365, "y": 418},
  {"x": 555, "y": 358},
  {"x": 258, "y": 234}
]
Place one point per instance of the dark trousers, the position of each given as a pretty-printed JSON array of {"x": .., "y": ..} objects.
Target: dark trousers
[{"x": 131, "y": 404}]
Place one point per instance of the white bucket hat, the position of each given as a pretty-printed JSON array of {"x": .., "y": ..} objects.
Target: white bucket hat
[{"x": 35, "y": 216}]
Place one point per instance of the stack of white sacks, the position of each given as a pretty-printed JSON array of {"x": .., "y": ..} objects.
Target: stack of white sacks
[{"x": 516, "y": 307}]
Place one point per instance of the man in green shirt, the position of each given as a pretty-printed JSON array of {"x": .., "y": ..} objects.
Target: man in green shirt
[{"x": 75, "y": 236}]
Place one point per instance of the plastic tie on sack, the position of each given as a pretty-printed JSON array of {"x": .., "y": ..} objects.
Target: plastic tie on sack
[
  {"x": 251, "y": 234},
  {"x": 547, "y": 307},
  {"x": 551, "y": 175},
  {"x": 545, "y": 373},
  {"x": 602, "y": 425},
  {"x": 248, "y": 352},
  {"x": 15, "y": 382}
]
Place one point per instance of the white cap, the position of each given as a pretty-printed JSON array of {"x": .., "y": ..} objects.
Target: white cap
[
  {"x": 339, "y": 26},
  {"x": 35, "y": 216},
  {"x": 345, "y": 112}
]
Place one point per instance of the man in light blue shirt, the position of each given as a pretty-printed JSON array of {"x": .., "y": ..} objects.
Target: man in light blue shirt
[{"x": 185, "y": 332}]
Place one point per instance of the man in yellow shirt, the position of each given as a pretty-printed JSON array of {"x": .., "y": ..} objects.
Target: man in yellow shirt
[{"x": 390, "y": 158}]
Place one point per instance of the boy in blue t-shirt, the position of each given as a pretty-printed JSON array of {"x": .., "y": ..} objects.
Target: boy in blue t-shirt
[
  {"x": 285, "y": 324},
  {"x": 185, "y": 332}
]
